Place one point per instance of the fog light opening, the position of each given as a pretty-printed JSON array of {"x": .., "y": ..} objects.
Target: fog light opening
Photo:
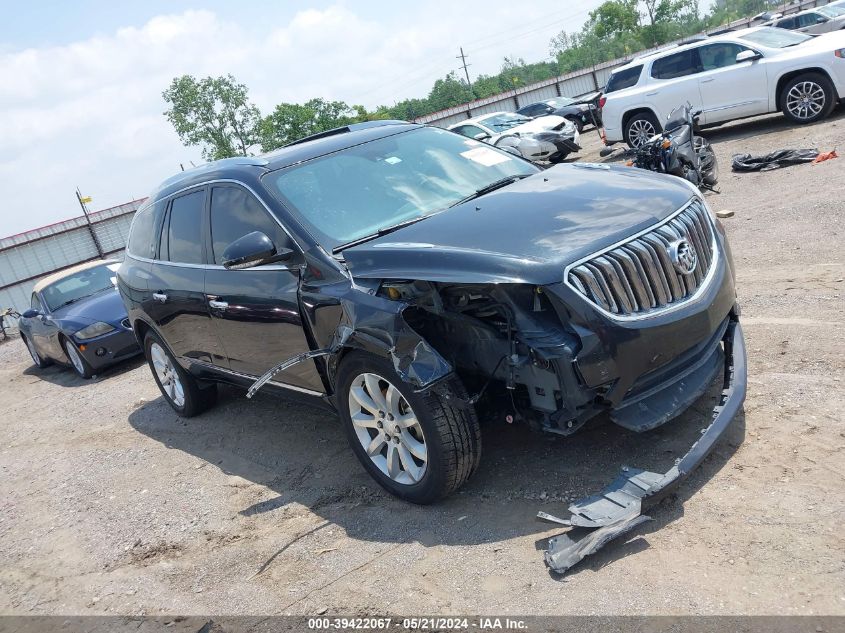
[{"x": 101, "y": 351}]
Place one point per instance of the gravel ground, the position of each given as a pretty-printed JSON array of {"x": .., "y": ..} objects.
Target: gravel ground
[{"x": 112, "y": 504}]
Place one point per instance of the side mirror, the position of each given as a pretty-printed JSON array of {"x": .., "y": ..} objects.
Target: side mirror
[
  {"x": 481, "y": 136},
  {"x": 821, "y": 20},
  {"x": 31, "y": 314},
  {"x": 253, "y": 249},
  {"x": 747, "y": 56}
]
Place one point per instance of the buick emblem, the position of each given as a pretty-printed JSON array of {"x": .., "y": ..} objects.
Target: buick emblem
[{"x": 683, "y": 256}]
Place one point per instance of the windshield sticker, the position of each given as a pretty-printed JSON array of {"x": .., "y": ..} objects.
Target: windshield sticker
[
  {"x": 392, "y": 160},
  {"x": 485, "y": 156}
]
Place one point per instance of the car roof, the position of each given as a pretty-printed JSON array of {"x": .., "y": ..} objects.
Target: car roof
[
  {"x": 299, "y": 151},
  {"x": 668, "y": 50},
  {"x": 67, "y": 272}
]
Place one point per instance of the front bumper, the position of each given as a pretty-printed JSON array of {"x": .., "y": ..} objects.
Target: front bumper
[
  {"x": 599, "y": 519},
  {"x": 108, "y": 349}
]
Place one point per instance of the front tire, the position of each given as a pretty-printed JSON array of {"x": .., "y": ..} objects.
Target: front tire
[
  {"x": 181, "y": 390},
  {"x": 640, "y": 128},
  {"x": 77, "y": 361},
  {"x": 807, "y": 98},
  {"x": 420, "y": 447}
]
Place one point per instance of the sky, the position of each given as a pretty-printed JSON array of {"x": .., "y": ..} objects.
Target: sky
[{"x": 80, "y": 96}]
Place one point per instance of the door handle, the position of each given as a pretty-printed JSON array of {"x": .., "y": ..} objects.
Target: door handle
[
  {"x": 651, "y": 94},
  {"x": 160, "y": 297},
  {"x": 708, "y": 80},
  {"x": 217, "y": 305}
]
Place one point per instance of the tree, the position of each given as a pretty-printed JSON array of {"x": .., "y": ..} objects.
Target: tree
[
  {"x": 292, "y": 121},
  {"x": 214, "y": 113},
  {"x": 614, "y": 18},
  {"x": 447, "y": 92}
]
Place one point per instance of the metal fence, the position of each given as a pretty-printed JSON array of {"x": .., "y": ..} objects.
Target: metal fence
[
  {"x": 27, "y": 257},
  {"x": 573, "y": 84}
]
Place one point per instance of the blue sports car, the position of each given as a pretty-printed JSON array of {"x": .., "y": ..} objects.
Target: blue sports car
[{"x": 77, "y": 318}]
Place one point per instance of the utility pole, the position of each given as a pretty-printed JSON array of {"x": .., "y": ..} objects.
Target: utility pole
[
  {"x": 463, "y": 59},
  {"x": 90, "y": 224}
]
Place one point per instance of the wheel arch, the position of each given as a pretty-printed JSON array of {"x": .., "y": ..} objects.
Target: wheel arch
[
  {"x": 792, "y": 74},
  {"x": 630, "y": 114}
]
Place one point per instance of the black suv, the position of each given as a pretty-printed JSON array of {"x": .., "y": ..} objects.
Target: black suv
[{"x": 405, "y": 275}]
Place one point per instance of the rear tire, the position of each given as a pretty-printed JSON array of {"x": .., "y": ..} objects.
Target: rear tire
[
  {"x": 807, "y": 98},
  {"x": 640, "y": 128},
  {"x": 180, "y": 389},
  {"x": 444, "y": 447}
]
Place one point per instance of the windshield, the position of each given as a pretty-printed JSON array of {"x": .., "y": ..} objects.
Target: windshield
[
  {"x": 504, "y": 121},
  {"x": 831, "y": 12},
  {"x": 775, "y": 38},
  {"x": 560, "y": 102},
  {"x": 78, "y": 285},
  {"x": 353, "y": 193}
]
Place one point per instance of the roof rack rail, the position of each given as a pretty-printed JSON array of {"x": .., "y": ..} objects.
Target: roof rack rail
[{"x": 345, "y": 129}]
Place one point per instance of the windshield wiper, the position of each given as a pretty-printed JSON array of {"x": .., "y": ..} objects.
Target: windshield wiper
[
  {"x": 502, "y": 182},
  {"x": 383, "y": 231}
]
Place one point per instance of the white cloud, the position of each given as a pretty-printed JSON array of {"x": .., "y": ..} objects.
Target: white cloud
[{"x": 90, "y": 113}]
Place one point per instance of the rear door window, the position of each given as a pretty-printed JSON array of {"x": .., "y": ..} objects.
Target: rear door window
[
  {"x": 622, "y": 79},
  {"x": 184, "y": 230},
  {"x": 235, "y": 212},
  {"x": 786, "y": 23},
  {"x": 677, "y": 65}
]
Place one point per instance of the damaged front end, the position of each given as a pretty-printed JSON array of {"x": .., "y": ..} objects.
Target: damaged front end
[{"x": 618, "y": 509}]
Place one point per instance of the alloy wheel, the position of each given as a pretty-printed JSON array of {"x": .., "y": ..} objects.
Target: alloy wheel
[
  {"x": 167, "y": 375},
  {"x": 805, "y": 100},
  {"x": 75, "y": 358},
  {"x": 640, "y": 131},
  {"x": 387, "y": 428}
]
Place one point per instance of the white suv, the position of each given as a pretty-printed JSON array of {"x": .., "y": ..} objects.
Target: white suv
[{"x": 738, "y": 74}]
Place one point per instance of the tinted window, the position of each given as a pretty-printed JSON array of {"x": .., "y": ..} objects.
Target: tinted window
[
  {"x": 809, "y": 19},
  {"x": 715, "y": 56},
  {"x": 184, "y": 233},
  {"x": 786, "y": 23},
  {"x": 535, "y": 110},
  {"x": 141, "y": 241},
  {"x": 677, "y": 65},
  {"x": 235, "y": 213},
  {"x": 623, "y": 79}
]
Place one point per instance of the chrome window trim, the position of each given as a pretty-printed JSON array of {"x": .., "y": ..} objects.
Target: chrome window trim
[
  {"x": 239, "y": 374},
  {"x": 683, "y": 303},
  {"x": 162, "y": 262}
]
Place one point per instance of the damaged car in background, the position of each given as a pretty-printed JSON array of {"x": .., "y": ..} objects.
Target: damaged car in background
[
  {"x": 408, "y": 277},
  {"x": 546, "y": 139}
]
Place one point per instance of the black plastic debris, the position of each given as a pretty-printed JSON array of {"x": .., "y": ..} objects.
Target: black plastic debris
[{"x": 773, "y": 160}]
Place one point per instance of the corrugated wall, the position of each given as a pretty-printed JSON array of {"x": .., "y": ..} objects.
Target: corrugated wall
[
  {"x": 574, "y": 84},
  {"x": 30, "y": 256}
]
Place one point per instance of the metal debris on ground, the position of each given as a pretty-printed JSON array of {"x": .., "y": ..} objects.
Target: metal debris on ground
[{"x": 775, "y": 160}]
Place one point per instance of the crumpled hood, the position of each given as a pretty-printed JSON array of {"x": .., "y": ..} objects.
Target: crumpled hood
[
  {"x": 527, "y": 232},
  {"x": 106, "y": 306}
]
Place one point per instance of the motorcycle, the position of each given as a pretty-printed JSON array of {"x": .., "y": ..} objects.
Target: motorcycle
[{"x": 678, "y": 151}]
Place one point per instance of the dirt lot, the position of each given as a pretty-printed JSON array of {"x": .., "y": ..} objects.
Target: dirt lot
[{"x": 112, "y": 504}]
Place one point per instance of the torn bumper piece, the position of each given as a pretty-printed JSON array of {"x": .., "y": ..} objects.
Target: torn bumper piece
[{"x": 601, "y": 518}]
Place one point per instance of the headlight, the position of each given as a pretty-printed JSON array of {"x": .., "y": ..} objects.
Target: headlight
[{"x": 95, "y": 329}]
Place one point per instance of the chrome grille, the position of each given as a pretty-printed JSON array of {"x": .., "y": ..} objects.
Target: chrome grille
[{"x": 638, "y": 277}]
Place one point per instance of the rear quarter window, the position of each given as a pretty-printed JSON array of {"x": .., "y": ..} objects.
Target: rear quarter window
[{"x": 622, "y": 79}]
